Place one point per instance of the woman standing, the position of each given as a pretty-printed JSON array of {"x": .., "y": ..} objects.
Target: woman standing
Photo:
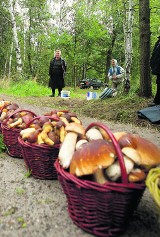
[{"x": 57, "y": 70}]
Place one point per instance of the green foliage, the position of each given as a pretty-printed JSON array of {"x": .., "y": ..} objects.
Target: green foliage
[
  {"x": 2, "y": 145},
  {"x": 81, "y": 31},
  {"x": 28, "y": 174},
  {"x": 32, "y": 88},
  {"x": 29, "y": 88}
]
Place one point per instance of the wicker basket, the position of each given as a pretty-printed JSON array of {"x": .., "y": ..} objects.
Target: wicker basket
[
  {"x": 40, "y": 159},
  {"x": 103, "y": 210},
  {"x": 10, "y": 136}
]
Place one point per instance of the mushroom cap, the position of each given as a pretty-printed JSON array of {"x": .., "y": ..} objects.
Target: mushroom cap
[
  {"x": 96, "y": 154},
  {"x": 105, "y": 135},
  {"x": 140, "y": 150},
  {"x": 118, "y": 135},
  {"x": 75, "y": 127},
  {"x": 136, "y": 175}
]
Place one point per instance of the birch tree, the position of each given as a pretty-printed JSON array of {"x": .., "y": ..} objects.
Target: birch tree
[
  {"x": 128, "y": 29},
  {"x": 15, "y": 37}
]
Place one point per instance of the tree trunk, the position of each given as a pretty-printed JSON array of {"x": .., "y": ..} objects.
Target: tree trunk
[
  {"x": 128, "y": 28},
  {"x": 144, "y": 23},
  {"x": 109, "y": 54},
  {"x": 10, "y": 61},
  {"x": 15, "y": 37}
]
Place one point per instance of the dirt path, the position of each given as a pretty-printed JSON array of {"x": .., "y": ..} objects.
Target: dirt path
[{"x": 33, "y": 207}]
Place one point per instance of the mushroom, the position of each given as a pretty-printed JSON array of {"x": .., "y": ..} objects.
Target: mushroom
[
  {"x": 43, "y": 136},
  {"x": 4, "y": 103},
  {"x": 114, "y": 172},
  {"x": 62, "y": 133},
  {"x": 93, "y": 134},
  {"x": 140, "y": 150},
  {"x": 105, "y": 135},
  {"x": 16, "y": 123},
  {"x": 26, "y": 132},
  {"x": 3, "y": 115},
  {"x": 80, "y": 143},
  {"x": 69, "y": 143},
  {"x": 92, "y": 158},
  {"x": 63, "y": 119},
  {"x": 137, "y": 175},
  {"x": 76, "y": 120}
]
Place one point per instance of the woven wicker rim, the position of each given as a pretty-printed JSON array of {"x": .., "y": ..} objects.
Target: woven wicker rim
[
  {"x": 91, "y": 184},
  {"x": 108, "y": 185}
]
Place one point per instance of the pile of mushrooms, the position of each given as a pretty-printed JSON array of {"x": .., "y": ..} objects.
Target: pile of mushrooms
[
  {"x": 50, "y": 128},
  {"x": 7, "y": 109},
  {"x": 93, "y": 155},
  {"x": 64, "y": 115},
  {"x": 19, "y": 119},
  {"x": 44, "y": 131}
]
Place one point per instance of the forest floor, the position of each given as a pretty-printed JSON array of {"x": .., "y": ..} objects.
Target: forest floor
[{"x": 33, "y": 207}]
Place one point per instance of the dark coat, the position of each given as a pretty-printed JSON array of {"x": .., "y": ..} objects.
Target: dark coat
[
  {"x": 155, "y": 59},
  {"x": 57, "y": 70}
]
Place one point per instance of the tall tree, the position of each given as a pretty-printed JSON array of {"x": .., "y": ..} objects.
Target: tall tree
[
  {"x": 15, "y": 37},
  {"x": 128, "y": 29},
  {"x": 144, "y": 23}
]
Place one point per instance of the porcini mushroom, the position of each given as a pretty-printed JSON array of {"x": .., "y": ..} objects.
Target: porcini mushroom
[
  {"x": 93, "y": 134},
  {"x": 136, "y": 175},
  {"x": 140, "y": 150},
  {"x": 92, "y": 158},
  {"x": 114, "y": 172},
  {"x": 69, "y": 143},
  {"x": 80, "y": 143}
]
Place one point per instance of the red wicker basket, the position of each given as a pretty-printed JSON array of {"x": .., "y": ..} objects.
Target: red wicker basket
[
  {"x": 103, "y": 210},
  {"x": 10, "y": 136},
  {"x": 40, "y": 159}
]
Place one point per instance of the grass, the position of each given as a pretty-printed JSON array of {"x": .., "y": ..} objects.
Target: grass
[{"x": 122, "y": 108}]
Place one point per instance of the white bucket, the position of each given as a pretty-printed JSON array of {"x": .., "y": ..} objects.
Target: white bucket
[
  {"x": 65, "y": 94},
  {"x": 92, "y": 95}
]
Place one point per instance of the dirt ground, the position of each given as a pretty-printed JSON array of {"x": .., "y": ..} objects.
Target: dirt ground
[{"x": 33, "y": 207}]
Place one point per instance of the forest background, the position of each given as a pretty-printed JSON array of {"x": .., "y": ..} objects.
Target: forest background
[{"x": 88, "y": 32}]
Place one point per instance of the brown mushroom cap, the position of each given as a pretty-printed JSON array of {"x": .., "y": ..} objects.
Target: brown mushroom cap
[
  {"x": 140, "y": 150},
  {"x": 75, "y": 127},
  {"x": 93, "y": 155},
  {"x": 118, "y": 135},
  {"x": 136, "y": 175}
]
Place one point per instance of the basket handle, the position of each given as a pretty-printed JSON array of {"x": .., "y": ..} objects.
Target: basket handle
[
  {"x": 17, "y": 111},
  {"x": 38, "y": 117},
  {"x": 116, "y": 146}
]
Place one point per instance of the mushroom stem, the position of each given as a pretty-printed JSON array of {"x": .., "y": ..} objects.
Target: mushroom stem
[
  {"x": 99, "y": 177},
  {"x": 67, "y": 149},
  {"x": 16, "y": 123},
  {"x": 114, "y": 172}
]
